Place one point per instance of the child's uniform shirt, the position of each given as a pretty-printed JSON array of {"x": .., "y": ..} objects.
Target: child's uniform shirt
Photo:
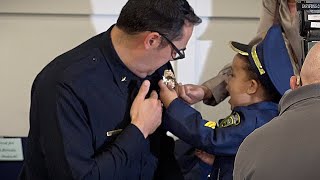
[{"x": 221, "y": 139}]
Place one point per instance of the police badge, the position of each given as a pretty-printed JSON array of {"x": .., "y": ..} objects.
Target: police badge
[
  {"x": 232, "y": 120},
  {"x": 169, "y": 79}
]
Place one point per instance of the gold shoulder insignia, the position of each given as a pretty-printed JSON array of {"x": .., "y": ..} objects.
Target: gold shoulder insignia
[
  {"x": 232, "y": 120},
  {"x": 210, "y": 124}
]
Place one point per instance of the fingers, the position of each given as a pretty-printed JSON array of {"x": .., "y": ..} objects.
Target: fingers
[
  {"x": 143, "y": 91},
  {"x": 198, "y": 152},
  {"x": 153, "y": 95},
  {"x": 165, "y": 87},
  {"x": 189, "y": 90},
  {"x": 162, "y": 86},
  {"x": 205, "y": 157},
  {"x": 183, "y": 90},
  {"x": 166, "y": 95},
  {"x": 178, "y": 87}
]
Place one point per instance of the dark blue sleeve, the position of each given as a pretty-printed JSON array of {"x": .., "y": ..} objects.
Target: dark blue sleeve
[
  {"x": 78, "y": 142},
  {"x": 187, "y": 124}
]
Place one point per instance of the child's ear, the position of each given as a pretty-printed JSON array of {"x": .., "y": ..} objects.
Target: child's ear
[{"x": 252, "y": 86}]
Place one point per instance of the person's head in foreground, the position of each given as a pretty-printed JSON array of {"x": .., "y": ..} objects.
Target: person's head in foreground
[{"x": 310, "y": 69}]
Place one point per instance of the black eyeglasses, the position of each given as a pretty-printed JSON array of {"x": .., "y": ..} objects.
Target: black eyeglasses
[{"x": 179, "y": 53}]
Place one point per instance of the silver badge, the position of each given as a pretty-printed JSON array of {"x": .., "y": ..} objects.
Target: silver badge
[
  {"x": 114, "y": 132},
  {"x": 169, "y": 79}
]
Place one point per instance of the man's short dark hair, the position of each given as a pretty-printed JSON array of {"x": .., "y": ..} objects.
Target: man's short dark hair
[{"x": 164, "y": 16}]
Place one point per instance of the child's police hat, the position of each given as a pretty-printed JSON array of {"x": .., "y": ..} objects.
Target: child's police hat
[{"x": 270, "y": 59}]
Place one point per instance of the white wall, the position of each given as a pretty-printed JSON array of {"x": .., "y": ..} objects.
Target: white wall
[{"x": 33, "y": 32}]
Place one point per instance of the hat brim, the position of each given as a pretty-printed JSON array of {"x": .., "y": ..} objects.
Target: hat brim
[
  {"x": 258, "y": 63},
  {"x": 239, "y": 48}
]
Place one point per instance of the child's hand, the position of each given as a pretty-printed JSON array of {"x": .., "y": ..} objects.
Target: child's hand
[
  {"x": 205, "y": 157},
  {"x": 193, "y": 93},
  {"x": 167, "y": 94}
]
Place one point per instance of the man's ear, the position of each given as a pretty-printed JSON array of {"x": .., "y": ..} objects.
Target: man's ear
[
  {"x": 152, "y": 40},
  {"x": 295, "y": 82},
  {"x": 253, "y": 86}
]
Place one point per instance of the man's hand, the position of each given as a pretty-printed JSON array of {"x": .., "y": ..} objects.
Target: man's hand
[
  {"x": 205, "y": 157},
  {"x": 193, "y": 93},
  {"x": 167, "y": 94},
  {"x": 145, "y": 113}
]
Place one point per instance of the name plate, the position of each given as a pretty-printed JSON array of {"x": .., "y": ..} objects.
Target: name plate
[{"x": 11, "y": 149}]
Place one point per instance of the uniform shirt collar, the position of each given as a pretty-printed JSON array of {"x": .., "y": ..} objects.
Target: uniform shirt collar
[
  {"x": 260, "y": 105},
  {"x": 122, "y": 75}
]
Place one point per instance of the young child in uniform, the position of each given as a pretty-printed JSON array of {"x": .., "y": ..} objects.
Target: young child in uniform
[{"x": 260, "y": 76}]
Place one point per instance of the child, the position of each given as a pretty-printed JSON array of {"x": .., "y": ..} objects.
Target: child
[{"x": 260, "y": 76}]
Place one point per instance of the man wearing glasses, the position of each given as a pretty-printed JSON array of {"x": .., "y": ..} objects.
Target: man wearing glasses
[
  {"x": 95, "y": 110},
  {"x": 176, "y": 53}
]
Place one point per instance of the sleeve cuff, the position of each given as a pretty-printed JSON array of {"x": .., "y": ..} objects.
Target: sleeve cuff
[
  {"x": 128, "y": 146},
  {"x": 132, "y": 140}
]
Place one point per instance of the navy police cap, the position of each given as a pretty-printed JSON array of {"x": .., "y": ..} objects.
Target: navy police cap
[{"x": 270, "y": 59}]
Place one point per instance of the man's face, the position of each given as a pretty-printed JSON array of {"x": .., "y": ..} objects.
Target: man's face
[
  {"x": 238, "y": 83},
  {"x": 163, "y": 55}
]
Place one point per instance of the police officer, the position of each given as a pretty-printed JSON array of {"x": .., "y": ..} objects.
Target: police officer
[{"x": 86, "y": 119}]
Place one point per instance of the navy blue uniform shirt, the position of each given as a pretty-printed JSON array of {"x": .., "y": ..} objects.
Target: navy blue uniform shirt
[
  {"x": 75, "y": 101},
  {"x": 187, "y": 124}
]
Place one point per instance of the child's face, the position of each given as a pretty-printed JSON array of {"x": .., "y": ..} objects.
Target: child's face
[{"x": 238, "y": 83}]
